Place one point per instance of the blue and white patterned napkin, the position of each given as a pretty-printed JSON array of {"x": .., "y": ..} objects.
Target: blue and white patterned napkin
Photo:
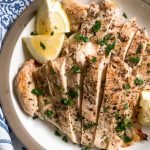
[{"x": 9, "y": 11}]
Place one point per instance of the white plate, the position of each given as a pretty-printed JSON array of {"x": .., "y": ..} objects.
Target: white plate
[{"x": 42, "y": 132}]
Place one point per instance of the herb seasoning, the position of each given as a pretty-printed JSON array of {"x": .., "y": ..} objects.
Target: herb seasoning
[
  {"x": 49, "y": 113},
  {"x": 37, "y": 92},
  {"x": 42, "y": 46},
  {"x": 65, "y": 139},
  {"x": 57, "y": 133},
  {"x": 139, "y": 49},
  {"x": 96, "y": 26},
  {"x": 134, "y": 60},
  {"x": 80, "y": 37},
  {"x": 125, "y": 15},
  {"x": 89, "y": 125},
  {"x": 75, "y": 69},
  {"x": 138, "y": 81}
]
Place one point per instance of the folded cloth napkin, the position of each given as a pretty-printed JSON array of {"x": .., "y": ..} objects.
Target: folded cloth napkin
[{"x": 9, "y": 10}]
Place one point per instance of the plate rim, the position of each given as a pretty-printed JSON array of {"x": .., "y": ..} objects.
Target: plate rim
[{"x": 5, "y": 58}]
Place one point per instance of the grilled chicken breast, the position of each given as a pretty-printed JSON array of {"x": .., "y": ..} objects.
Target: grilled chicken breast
[
  {"x": 135, "y": 53},
  {"x": 99, "y": 17},
  {"x": 47, "y": 110},
  {"x": 74, "y": 82},
  {"x": 125, "y": 38},
  {"x": 24, "y": 85},
  {"x": 92, "y": 81},
  {"x": 117, "y": 111},
  {"x": 144, "y": 68},
  {"x": 76, "y": 12},
  {"x": 58, "y": 87}
]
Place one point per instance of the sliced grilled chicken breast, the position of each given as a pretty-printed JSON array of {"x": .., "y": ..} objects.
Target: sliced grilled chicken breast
[
  {"x": 98, "y": 20},
  {"x": 135, "y": 53},
  {"x": 24, "y": 85},
  {"x": 74, "y": 82},
  {"x": 91, "y": 93},
  {"x": 58, "y": 87},
  {"x": 144, "y": 68},
  {"x": 76, "y": 12},
  {"x": 47, "y": 110},
  {"x": 125, "y": 38},
  {"x": 116, "y": 114}
]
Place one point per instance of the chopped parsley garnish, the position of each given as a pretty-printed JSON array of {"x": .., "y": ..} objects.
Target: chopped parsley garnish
[
  {"x": 104, "y": 41},
  {"x": 86, "y": 148},
  {"x": 94, "y": 59},
  {"x": 65, "y": 139},
  {"x": 52, "y": 71},
  {"x": 72, "y": 93},
  {"x": 49, "y": 113},
  {"x": 126, "y": 138},
  {"x": 126, "y": 106},
  {"x": 110, "y": 47},
  {"x": 125, "y": 15},
  {"x": 148, "y": 71},
  {"x": 138, "y": 81},
  {"x": 89, "y": 125},
  {"x": 35, "y": 117},
  {"x": 46, "y": 102},
  {"x": 66, "y": 102},
  {"x": 96, "y": 26},
  {"x": 80, "y": 37},
  {"x": 75, "y": 69},
  {"x": 52, "y": 33},
  {"x": 106, "y": 109},
  {"x": 33, "y": 33},
  {"x": 126, "y": 86},
  {"x": 79, "y": 117},
  {"x": 42, "y": 46},
  {"x": 134, "y": 60},
  {"x": 37, "y": 92},
  {"x": 139, "y": 49},
  {"x": 57, "y": 133},
  {"x": 123, "y": 124},
  {"x": 55, "y": 27}
]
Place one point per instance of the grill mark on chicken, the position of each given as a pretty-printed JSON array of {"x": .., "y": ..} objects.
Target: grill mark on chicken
[
  {"x": 46, "y": 108},
  {"x": 135, "y": 53}
]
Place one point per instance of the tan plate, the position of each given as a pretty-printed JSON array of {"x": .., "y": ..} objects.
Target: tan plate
[{"x": 5, "y": 57}]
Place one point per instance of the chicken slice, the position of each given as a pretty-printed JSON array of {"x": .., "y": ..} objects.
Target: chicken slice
[
  {"x": 24, "y": 85},
  {"x": 47, "y": 110},
  {"x": 74, "y": 82},
  {"x": 144, "y": 68},
  {"x": 94, "y": 70},
  {"x": 98, "y": 20},
  {"x": 125, "y": 38},
  {"x": 135, "y": 53},
  {"x": 117, "y": 111},
  {"x": 76, "y": 12},
  {"x": 58, "y": 87}
]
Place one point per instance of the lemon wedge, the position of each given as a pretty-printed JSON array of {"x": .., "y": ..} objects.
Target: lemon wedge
[
  {"x": 51, "y": 18},
  {"x": 44, "y": 47},
  {"x": 144, "y": 112}
]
